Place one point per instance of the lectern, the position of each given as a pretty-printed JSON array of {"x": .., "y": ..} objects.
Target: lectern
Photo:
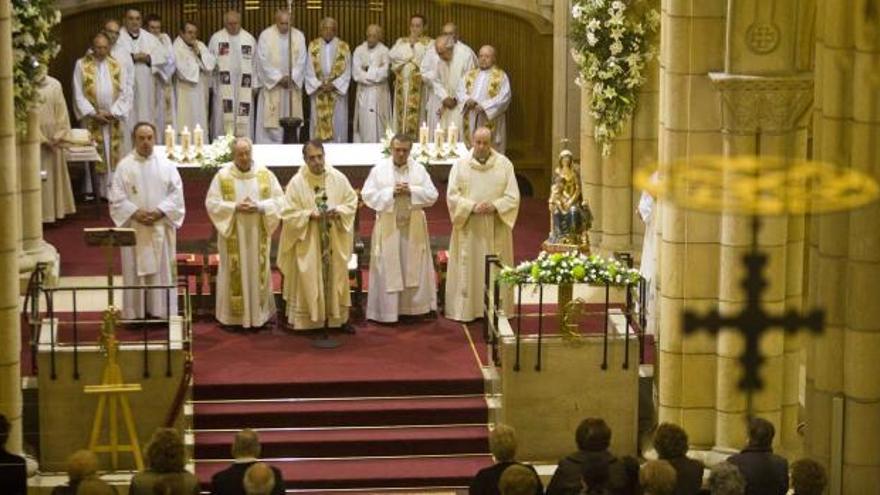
[{"x": 112, "y": 392}]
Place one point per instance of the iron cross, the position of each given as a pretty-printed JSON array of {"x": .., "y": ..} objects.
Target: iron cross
[{"x": 753, "y": 321}]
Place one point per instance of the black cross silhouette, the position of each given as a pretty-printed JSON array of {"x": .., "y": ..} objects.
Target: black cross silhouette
[{"x": 753, "y": 321}]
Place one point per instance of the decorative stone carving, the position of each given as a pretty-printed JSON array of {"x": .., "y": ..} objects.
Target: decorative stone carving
[
  {"x": 762, "y": 37},
  {"x": 763, "y": 103}
]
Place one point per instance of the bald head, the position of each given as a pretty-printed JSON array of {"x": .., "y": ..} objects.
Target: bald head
[
  {"x": 328, "y": 29},
  {"x": 259, "y": 479},
  {"x": 451, "y": 29},
  {"x": 445, "y": 45},
  {"x": 486, "y": 57},
  {"x": 232, "y": 22},
  {"x": 482, "y": 143},
  {"x": 282, "y": 21},
  {"x": 374, "y": 35}
]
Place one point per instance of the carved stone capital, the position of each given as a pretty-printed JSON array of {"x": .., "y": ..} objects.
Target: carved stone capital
[{"x": 753, "y": 104}]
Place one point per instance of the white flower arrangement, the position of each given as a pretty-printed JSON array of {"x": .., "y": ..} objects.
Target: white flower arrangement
[
  {"x": 613, "y": 40},
  {"x": 33, "y": 48},
  {"x": 217, "y": 154},
  {"x": 571, "y": 267}
]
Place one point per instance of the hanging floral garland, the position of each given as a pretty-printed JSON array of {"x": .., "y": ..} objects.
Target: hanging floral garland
[
  {"x": 613, "y": 40},
  {"x": 33, "y": 48}
]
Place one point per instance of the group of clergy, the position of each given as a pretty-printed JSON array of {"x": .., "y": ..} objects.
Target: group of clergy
[
  {"x": 247, "y": 87},
  {"x": 316, "y": 211}
]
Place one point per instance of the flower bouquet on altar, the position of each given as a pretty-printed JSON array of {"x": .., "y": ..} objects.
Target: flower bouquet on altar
[
  {"x": 219, "y": 152},
  {"x": 572, "y": 267}
]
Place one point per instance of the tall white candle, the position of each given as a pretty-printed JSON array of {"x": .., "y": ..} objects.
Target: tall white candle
[
  {"x": 184, "y": 140},
  {"x": 169, "y": 137},
  {"x": 438, "y": 136},
  {"x": 198, "y": 138},
  {"x": 423, "y": 135},
  {"x": 452, "y": 135}
]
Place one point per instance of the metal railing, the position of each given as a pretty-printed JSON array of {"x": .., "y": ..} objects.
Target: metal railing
[
  {"x": 633, "y": 312},
  {"x": 38, "y": 315}
]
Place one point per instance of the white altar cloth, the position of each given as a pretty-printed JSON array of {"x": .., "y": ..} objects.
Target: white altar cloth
[{"x": 340, "y": 155}]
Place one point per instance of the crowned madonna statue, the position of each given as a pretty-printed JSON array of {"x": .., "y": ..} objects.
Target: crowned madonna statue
[{"x": 570, "y": 216}]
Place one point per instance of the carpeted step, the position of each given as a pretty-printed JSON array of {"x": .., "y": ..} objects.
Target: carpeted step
[
  {"x": 364, "y": 473},
  {"x": 347, "y": 388},
  {"x": 339, "y": 412},
  {"x": 353, "y": 442}
]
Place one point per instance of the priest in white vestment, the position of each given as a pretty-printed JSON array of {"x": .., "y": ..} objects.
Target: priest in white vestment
[
  {"x": 57, "y": 191},
  {"x": 235, "y": 79},
  {"x": 317, "y": 191},
  {"x": 410, "y": 92},
  {"x": 102, "y": 97},
  {"x": 147, "y": 196},
  {"x": 483, "y": 200},
  {"x": 149, "y": 59},
  {"x": 372, "y": 106},
  {"x": 195, "y": 64},
  {"x": 245, "y": 203},
  {"x": 402, "y": 280},
  {"x": 485, "y": 92},
  {"x": 328, "y": 74},
  {"x": 443, "y": 71},
  {"x": 166, "y": 106},
  {"x": 649, "y": 212},
  {"x": 282, "y": 74}
]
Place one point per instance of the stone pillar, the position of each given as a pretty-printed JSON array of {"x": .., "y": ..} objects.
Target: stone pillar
[
  {"x": 844, "y": 269},
  {"x": 691, "y": 46},
  {"x": 33, "y": 248},
  {"x": 10, "y": 336},
  {"x": 566, "y": 94},
  {"x": 764, "y": 116},
  {"x": 607, "y": 180}
]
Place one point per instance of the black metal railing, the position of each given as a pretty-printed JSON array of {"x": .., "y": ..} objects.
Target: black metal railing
[
  {"x": 37, "y": 316},
  {"x": 634, "y": 312}
]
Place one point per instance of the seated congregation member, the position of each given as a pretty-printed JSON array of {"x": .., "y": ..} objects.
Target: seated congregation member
[
  {"x": 165, "y": 458},
  {"x": 595, "y": 475},
  {"x": 81, "y": 465},
  {"x": 245, "y": 203},
  {"x": 726, "y": 479},
  {"x": 623, "y": 476},
  {"x": 519, "y": 479},
  {"x": 765, "y": 472},
  {"x": 317, "y": 195},
  {"x": 401, "y": 268},
  {"x": 147, "y": 196},
  {"x": 483, "y": 201},
  {"x": 671, "y": 444},
  {"x": 13, "y": 471},
  {"x": 260, "y": 479},
  {"x": 246, "y": 453},
  {"x": 808, "y": 477},
  {"x": 97, "y": 486},
  {"x": 502, "y": 444},
  {"x": 657, "y": 478},
  {"x": 593, "y": 437}
]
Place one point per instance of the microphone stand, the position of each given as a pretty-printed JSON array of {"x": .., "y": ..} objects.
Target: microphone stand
[
  {"x": 325, "y": 341},
  {"x": 290, "y": 124}
]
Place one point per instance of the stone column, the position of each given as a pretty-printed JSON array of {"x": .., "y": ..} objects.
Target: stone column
[
  {"x": 764, "y": 116},
  {"x": 692, "y": 45},
  {"x": 844, "y": 269},
  {"x": 566, "y": 94},
  {"x": 607, "y": 180},
  {"x": 33, "y": 248},
  {"x": 10, "y": 336}
]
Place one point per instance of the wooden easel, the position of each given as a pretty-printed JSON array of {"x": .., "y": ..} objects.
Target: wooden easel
[{"x": 112, "y": 392}]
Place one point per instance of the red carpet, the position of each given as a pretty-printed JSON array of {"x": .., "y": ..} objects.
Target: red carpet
[{"x": 394, "y": 406}]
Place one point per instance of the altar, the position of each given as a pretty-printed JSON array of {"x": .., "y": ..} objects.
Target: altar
[{"x": 352, "y": 159}]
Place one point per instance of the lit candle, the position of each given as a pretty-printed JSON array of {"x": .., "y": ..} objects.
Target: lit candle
[
  {"x": 452, "y": 135},
  {"x": 198, "y": 138},
  {"x": 184, "y": 140},
  {"x": 169, "y": 137},
  {"x": 438, "y": 136},
  {"x": 423, "y": 135}
]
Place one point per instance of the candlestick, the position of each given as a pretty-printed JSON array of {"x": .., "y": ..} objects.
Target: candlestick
[
  {"x": 184, "y": 142},
  {"x": 438, "y": 138},
  {"x": 169, "y": 139},
  {"x": 423, "y": 135},
  {"x": 452, "y": 135},
  {"x": 198, "y": 138}
]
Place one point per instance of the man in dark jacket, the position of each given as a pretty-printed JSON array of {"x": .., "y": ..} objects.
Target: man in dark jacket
[
  {"x": 502, "y": 444},
  {"x": 13, "y": 473},
  {"x": 671, "y": 444},
  {"x": 593, "y": 436},
  {"x": 765, "y": 472},
  {"x": 245, "y": 452}
]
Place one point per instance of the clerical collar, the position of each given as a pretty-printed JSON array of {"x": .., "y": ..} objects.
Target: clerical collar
[
  {"x": 483, "y": 165},
  {"x": 134, "y": 36},
  {"x": 141, "y": 158}
]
